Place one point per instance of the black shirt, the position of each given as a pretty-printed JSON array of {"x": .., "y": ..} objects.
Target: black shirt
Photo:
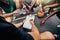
[{"x": 9, "y": 32}]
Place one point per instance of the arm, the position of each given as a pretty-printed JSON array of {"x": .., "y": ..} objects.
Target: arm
[
  {"x": 35, "y": 32},
  {"x": 52, "y": 5},
  {"x": 17, "y": 2},
  {"x": 9, "y": 14},
  {"x": 18, "y": 24},
  {"x": 27, "y": 11},
  {"x": 51, "y": 14},
  {"x": 26, "y": 7},
  {"x": 40, "y": 6},
  {"x": 32, "y": 4},
  {"x": 34, "y": 28}
]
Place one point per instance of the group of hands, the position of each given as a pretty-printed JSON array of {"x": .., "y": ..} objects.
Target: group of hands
[
  {"x": 17, "y": 11},
  {"x": 32, "y": 22}
]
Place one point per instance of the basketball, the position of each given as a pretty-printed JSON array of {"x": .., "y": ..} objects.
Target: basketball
[{"x": 40, "y": 14}]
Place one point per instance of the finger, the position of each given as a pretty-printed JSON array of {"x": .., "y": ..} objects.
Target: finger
[{"x": 41, "y": 22}]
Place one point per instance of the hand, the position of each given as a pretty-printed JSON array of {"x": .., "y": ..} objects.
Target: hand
[
  {"x": 23, "y": 21},
  {"x": 43, "y": 21},
  {"x": 54, "y": 9},
  {"x": 28, "y": 11},
  {"x": 24, "y": 6},
  {"x": 16, "y": 11},
  {"x": 32, "y": 22},
  {"x": 29, "y": 8},
  {"x": 44, "y": 7},
  {"x": 21, "y": 1}
]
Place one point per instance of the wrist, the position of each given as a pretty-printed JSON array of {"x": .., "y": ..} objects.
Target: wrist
[
  {"x": 12, "y": 13},
  {"x": 45, "y": 18},
  {"x": 45, "y": 7},
  {"x": 21, "y": 22}
]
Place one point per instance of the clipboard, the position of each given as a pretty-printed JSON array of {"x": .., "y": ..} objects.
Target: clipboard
[{"x": 27, "y": 23}]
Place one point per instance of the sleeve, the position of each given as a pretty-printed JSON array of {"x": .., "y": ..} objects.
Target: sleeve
[{"x": 9, "y": 32}]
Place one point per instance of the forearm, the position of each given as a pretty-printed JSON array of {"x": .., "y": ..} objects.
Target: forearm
[
  {"x": 10, "y": 14},
  {"x": 35, "y": 33},
  {"x": 7, "y": 15},
  {"x": 52, "y": 5},
  {"x": 27, "y": 10},
  {"x": 17, "y": 4},
  {"x": 34, "y": 28},
  {"x": 51, "y": 14},
  {"x": 26, "y": 7},
  {"x": 32, "y": 4},
  {"x": 40, "y": 8}
]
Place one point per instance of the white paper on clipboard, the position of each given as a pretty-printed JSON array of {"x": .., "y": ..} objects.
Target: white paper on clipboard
[{"x": 27, "y": 23}]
